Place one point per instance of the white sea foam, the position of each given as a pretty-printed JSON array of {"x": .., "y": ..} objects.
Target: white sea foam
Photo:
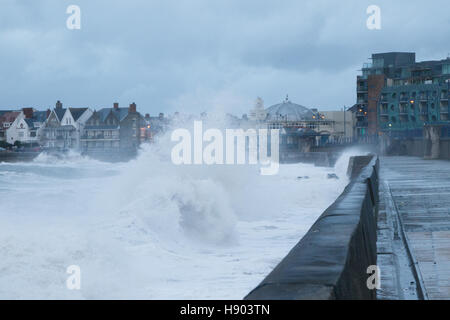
[{"x": 149, "y": 229}]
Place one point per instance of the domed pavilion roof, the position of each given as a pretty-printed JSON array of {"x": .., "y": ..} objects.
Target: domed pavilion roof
[{"x": 288, "y": 111}]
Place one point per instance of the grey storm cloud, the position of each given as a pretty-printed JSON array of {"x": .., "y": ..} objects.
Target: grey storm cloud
[{"x": 201, "y": 55}]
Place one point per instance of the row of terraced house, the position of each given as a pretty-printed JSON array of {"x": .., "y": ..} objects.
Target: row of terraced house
[{"x": 105, "y": 130}]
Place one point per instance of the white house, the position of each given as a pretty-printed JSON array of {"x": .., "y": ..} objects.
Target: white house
[
  {"x": 26, "y": 127},
  {"x": 7, "y": 118},
  {"x": 77, "y": 118},
  {"x": 64, "y": 127}
]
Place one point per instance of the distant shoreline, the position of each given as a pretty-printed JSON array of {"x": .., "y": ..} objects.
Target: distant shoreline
[
  {"x": 28, "y": 156},
  {"x": 8, "y": 156}
]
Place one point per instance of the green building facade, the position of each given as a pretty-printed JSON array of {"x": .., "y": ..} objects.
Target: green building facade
[
  {"x": 410, "y": 107},
  {"x": 396, "y": 94}
]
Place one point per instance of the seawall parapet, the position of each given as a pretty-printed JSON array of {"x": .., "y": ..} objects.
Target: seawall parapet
[{"x": 331, "y": 260}]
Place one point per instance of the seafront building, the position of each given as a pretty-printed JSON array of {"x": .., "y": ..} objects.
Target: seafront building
[
  {"x": 63, "y": 127},
  {"x": 7, "y": 118},
  {"x": 21, "y": 126},
  {"x": 113, "y": 129},
  {"x": 398, "y": 96},
  {"x": 302, "y": 128},
  {"x": 27, "y": 127},
  {"x": 60, "y": 129},
  {"x": 153, "y": 126}
]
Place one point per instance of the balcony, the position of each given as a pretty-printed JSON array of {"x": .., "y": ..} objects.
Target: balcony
[
  {"x": 404, "y": 118},
  {"x": 361, "y": 101},
  {"x": 360, "y": 116},
  {"x": 403, "y": 110},
  {"x": 92, "y": 137},
  {"x": 384, "y": 118},
  {"x": 362, "y": 124},
  {"x": 404, "y": 98},
  {"x": 362, "y": 88},
  {"x": 100, "y": 136}
]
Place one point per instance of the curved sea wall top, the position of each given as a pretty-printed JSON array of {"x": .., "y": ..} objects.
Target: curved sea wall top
[{"x": 331, "y": 260}]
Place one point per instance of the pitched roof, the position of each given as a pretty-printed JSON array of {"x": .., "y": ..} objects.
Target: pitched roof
[
  {"x": 59, "y": 113},
  {"x": 29, "y": 122},
  {"x": 2, "y": 112},
  {"x": 38, "y": 116},
  {"x": 119, "y": 113},
  {"x": 9, "y": 116},
  {"x": 103, "y": 113},
  {"x": 77, "y": 112}
]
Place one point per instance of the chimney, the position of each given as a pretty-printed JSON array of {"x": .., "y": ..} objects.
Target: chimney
[
  {"x": 161, "y": 116},
  {"x": 59, "y": 105},
  {"x": 28, "y": 112},
  {"x": 147, "y": 116},
  {"x": 116, "y": 105},
  {"x": 132, "y": 107}
]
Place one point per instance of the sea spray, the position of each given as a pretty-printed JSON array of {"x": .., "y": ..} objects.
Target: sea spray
[{"x": 149, "y": 229}]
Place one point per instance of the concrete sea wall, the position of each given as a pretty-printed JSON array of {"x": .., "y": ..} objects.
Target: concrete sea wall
[
  {"x": 319, "y": 159},
  {"x": 331, "y": 260},
  {"x": 17, "y": 156}
]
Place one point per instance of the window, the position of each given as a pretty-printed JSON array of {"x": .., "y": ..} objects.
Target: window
[
  {"x": 446, "y": 69},
  {"x": 378, "y": 63}
]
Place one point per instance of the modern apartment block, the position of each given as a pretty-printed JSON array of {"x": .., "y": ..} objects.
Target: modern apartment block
[{"x": 396, "y": 94}]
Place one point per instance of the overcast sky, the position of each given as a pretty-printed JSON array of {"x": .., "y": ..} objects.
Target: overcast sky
[{"x": 199, "y": 55}]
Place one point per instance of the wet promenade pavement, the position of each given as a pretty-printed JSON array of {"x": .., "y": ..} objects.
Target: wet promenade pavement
[{"x": 414, "y": 228}]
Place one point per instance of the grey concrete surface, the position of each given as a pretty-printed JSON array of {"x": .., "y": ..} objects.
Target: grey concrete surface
[
  {"x": 331, "y": 260},
  {"x": 415, "y": 198}
]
